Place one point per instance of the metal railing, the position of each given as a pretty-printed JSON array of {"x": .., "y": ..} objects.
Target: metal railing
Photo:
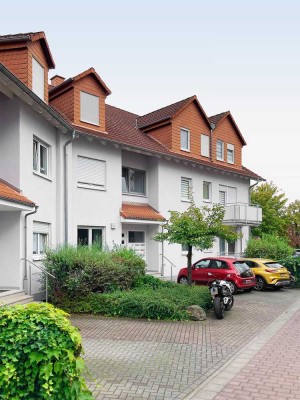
[
  {"x": 172, "y": 265},
  {"x": 43, "y": 270}
]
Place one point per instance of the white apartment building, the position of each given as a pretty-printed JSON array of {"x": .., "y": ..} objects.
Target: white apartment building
[{"x": 76, "y": 170}]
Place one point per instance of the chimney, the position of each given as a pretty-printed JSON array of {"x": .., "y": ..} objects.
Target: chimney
[{"x": 57, "y": 80}]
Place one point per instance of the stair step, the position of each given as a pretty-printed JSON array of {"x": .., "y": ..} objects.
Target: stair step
[{"x": 16, "y": 300}]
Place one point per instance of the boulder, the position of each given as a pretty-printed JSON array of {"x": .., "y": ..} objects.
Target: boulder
[{"x": 196, "y": 313}]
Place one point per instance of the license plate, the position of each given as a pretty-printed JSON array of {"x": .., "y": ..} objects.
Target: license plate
[
  {"x": 248, "y": 281},
  {"x": 282, "y": 274},
  {"x": 214, "y": 290}
]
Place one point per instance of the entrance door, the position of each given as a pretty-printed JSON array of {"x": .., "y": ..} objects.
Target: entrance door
[{"x": 136, "y": 241}]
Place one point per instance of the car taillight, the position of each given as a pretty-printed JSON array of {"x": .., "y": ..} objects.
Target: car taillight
[{"x": 270, "y": 270}]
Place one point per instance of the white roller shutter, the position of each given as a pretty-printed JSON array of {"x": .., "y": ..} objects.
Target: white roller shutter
[
  {"x": 41, "y": 227},
  {"x": 89, "y": 108},
  {"x": 222, "y": 197},
  {"x": 185, "y": 188},
  {"x": 38, "y": 79},
  {"x": 204, "y": 145},
  {"x": 91, "y": 171}
]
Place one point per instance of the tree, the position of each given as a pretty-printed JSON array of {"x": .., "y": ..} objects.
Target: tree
[
  {"x": 273, "y": 204},
  {"x": 196, "y": 227},
  {"x": 293, "y": 216}
]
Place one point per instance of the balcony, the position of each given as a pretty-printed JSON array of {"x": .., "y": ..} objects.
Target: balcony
[{"x": 241, "y": 214}]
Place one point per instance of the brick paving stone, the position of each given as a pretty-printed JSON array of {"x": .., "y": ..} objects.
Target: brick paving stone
[{"x": 138, "y": 359}]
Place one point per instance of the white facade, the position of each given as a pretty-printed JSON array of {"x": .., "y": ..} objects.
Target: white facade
[{"x": 66, "y": 206}]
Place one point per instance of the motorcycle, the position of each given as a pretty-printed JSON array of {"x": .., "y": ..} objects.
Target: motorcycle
[
  {"x": 222, "y": 296},
  {"x": 292, "y": 283}
]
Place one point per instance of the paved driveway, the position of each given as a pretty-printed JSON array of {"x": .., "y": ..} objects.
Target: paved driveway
[{"x": 155, "y": 360}]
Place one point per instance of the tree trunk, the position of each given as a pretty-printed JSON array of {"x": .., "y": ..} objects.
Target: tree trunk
[{"x": 189, "y": 264}]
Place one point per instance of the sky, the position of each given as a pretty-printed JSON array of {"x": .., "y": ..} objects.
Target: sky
[{"x": 242, "y": 56}]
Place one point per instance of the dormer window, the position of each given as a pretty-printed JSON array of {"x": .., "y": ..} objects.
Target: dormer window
[
  {"x": 220, "y": 150},
  {"x": 38, "y": 79},
  {"x": 184, "y": 139},
  {"x": 89, "y": 108},
  {"x": 230, "y": 153}
]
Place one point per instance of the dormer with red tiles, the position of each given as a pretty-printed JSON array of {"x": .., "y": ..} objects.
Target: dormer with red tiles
[
  {"x": 227, "y": 141},
  {"x": 27, "y": 55},
  {"x": 81, "y": 99}
]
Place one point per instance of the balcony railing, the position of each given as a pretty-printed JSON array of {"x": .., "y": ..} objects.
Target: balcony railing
[{"x": 242, "y": 214}]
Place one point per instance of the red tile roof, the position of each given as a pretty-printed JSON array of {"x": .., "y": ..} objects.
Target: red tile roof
[
  {"x": 32, "y": 36},
  {"x": 140, "y": 211},
  {"x": 216, "y": 119},
  {"x": 10, "y": 193},
  {"x": 67, "y": 82}
]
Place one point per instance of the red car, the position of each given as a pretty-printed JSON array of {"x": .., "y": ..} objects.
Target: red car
[{"x": 236, "y": 272}]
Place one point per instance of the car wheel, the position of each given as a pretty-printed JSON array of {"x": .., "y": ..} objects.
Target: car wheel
[
  {"x": 183, "y": 280},
  {"x": 260, "y": 283},
  {"x": 219, "y": 308},
  {"x": 233, "y": 287}
]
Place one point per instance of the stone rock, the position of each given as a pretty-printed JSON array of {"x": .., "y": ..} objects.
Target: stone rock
[{"x": 196, "y": 313}]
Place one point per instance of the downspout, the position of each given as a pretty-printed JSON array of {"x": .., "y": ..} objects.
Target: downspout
[
  {"x": 212, "y": 127},
  {"x": 66, "y": 197},
  {"x": 27, "y": 284}
]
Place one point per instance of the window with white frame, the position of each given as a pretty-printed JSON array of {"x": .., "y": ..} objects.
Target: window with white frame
[
  {"x": 230, "y": 153},
  {"x": 184, "y": 248},
  {"x": 185, "y": 139},
  {"x": 91, "y": 173},
  {"x": 133, "y": 181},
  {"x": 220, "y": 150},
  {"x": 38, "y": 79},
  {"x": 227, "y": 195},
  {"x": 89, "y": 108},
  {"x": 204, "y": 145},
  {"x": 222, "y": 197},
  {"x": 41, "y": 233},
  {"x": 186, "y": 187},
  {"x": 41, "y": 157},
  {"x": 88, "y": 236},
  {"x": 207, "y": 191}
]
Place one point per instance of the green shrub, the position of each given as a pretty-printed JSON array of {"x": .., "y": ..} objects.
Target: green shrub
[
  {"x": 83, "y": 270},
  {"x": 150, "y": 281},
  {"x": 162, "y": 303},
  {"x": 40, "y": 355},
  {"x": 268, "y": 246},
  {"x": 293, "y": 265}
]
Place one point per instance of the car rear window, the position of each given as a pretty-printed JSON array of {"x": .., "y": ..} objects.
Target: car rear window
[
  {"x": 273, "y": 265},
  {"x": 241, "y": 266}
]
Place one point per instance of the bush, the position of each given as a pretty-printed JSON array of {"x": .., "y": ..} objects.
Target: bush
[
  {"x": 293, "y": 265},
  {"x": 166, "y": 302},
  {"x": 40, "y": 355},
  {"x": 83, "y": 270},
  {"x": 268, "y": 246}
]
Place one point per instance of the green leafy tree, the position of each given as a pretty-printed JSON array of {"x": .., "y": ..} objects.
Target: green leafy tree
[
  {"x": 196, "y": 227},
  {"x": 293, "y": 216},
  {"x": 273, "y": 204}
]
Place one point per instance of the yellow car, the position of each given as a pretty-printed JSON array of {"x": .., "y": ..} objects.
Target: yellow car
[{"x": 268, "y": 273}]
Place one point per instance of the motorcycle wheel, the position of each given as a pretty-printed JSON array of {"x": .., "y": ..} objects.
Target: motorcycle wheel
[
  {"x": 219, "y": 308},
  {"x": 229, "y": 305}
]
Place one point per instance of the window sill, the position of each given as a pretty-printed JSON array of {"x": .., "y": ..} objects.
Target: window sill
[
  {"x": 91, "y": 187},
  {"x": 219, "y": 159},
  {"x": 186, "y": 200},
  {"x": 186, "y": 150},
  {"x": 90, "y": 123},
  {"x": 231, "y": 163},
  {"x": 134, "y": 194},
  {"x": 42, "y": 176},
  {"x": 39, "y": 257},
  {"x": 206, "y": 201}
]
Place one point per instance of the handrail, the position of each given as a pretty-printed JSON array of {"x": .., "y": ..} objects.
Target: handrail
[
  {"x": 172, "y": 265},
  {"x": 44, "y": 271}
]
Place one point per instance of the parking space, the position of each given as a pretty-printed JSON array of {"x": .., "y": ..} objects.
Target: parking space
[{"x": 139, "y": 359}]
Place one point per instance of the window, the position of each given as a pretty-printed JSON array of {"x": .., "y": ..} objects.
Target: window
[
  {"x": 40, "y": 157},
  {"x": 133, "y": 181},
  {"x": 38, "y": 79},
  {"x": 91, "y": 173},
  {"x": 227, "y": 195},
  {"x": 222, "y": 197},
  {"x": 185, "y": 139},
  {"x": 230, "y": 153},
  {"x": 220, "y": 150},
  {"x": 89, "y": 108},
  {"x": 186, "y": 186},
  {"x": 87, "y": 236},
  {"x": 40, "y": 239},
  {"x": 206, "y": 191},
  {"x": 202, "y": 264},
  {"x": 204, "y": 145},
  {"x": 184, "y": 247},
  {"x": 136, "y": 237}
]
